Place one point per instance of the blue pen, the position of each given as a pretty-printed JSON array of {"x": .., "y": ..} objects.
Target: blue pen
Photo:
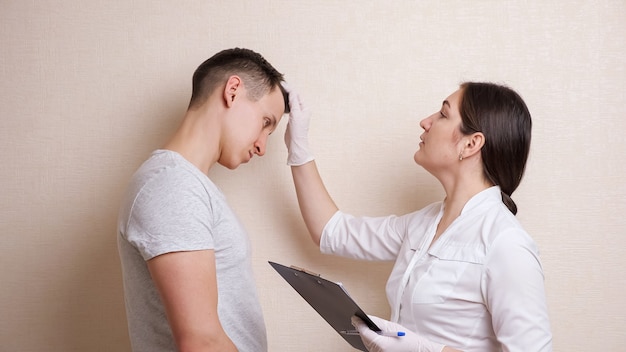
[{"x": 392, "y": 333}]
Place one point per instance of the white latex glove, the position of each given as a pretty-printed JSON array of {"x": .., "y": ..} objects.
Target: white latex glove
[
  {"x": 375, "y": 342},
  {"x": 296, "y": 134}
]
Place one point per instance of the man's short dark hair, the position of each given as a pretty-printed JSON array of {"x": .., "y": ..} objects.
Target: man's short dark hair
[{"x": 258, "y": 75}]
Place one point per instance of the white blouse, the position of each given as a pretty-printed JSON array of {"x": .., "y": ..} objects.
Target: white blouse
[{"x": 480, "y": 287}]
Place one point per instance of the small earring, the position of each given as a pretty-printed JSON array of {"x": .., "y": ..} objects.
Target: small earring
[{"x": 461, "y": 156}]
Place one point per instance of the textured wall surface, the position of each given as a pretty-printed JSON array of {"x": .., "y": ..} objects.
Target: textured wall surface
[{"x": 89, "y": 88}]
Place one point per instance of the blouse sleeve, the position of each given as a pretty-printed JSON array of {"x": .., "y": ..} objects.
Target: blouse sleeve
[
  {"x": 515, "y": 294},
  {"x": 367, "y": 238}
]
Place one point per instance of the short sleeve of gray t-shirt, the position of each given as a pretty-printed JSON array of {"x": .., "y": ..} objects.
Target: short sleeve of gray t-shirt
[{"x": 170, "y": 207}]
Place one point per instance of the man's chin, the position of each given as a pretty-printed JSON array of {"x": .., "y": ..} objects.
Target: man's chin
[{"x": 230, "y": 166}]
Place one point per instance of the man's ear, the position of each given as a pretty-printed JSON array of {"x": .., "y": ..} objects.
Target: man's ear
[
  {"x": 231, "y": 89},
  {"x": 473, "y": 144}
]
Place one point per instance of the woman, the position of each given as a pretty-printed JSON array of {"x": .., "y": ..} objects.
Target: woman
[{"x": 466, "y": 275}]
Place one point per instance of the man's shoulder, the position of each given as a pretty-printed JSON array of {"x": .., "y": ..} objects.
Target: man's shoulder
[{"x": 166, "y": 169}]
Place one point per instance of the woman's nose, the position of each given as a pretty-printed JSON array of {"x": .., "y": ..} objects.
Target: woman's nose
[{"x": 425, "y": 123}]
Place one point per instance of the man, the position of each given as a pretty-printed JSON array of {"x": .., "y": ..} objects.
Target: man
[{"x": 188, "y": 280}]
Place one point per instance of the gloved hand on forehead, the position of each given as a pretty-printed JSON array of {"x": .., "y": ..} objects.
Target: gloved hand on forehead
[
  {"x": 375, "y": 342},
  {"x": 296, "y": 134}
]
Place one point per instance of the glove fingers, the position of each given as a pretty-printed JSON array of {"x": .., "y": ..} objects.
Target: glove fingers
[
  {"x": 383, "y": 324},
  {"x": 356, "y": 321},
  {"x": 286, "y": 86},
  {"x": 295, "y": 103},
  {"x": 366, "y": 333}
]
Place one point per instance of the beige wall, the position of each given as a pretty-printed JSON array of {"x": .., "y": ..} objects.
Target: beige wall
[{"x": 88, "y": 88}]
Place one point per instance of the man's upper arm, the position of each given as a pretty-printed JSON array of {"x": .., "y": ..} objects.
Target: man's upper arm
[{"x": 187, "y": 284}]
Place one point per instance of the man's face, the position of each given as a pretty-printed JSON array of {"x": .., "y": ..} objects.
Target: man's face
[{"x": 249, "y": 125}]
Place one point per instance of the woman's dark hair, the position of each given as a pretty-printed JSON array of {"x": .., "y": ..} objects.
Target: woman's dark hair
[
  {"x": 501, "y": 115},
  {"x": 259, "y": 76}
]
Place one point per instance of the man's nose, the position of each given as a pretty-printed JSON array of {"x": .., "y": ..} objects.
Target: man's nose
[{"x": 259, "y": 146}]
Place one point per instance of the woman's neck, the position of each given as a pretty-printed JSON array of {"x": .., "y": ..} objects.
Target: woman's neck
[{"x": 457, "y": 196}]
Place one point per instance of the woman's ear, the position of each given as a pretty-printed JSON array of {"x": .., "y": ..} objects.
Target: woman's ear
[
  {"x": 231, "y": 89},
  {"x": 473, "y": 144}
]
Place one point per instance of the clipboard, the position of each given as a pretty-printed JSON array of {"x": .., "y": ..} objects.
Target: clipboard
[{"x": 330, "y": 300}]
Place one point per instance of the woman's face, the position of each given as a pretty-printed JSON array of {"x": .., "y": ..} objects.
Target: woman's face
[{"x": 441, "y": 143}]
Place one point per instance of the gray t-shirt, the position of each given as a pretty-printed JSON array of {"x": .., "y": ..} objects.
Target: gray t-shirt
[{"x": 172, "y": 206}]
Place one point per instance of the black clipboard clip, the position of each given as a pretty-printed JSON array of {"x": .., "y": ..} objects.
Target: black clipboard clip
[{"x": 304, "y": 271}]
